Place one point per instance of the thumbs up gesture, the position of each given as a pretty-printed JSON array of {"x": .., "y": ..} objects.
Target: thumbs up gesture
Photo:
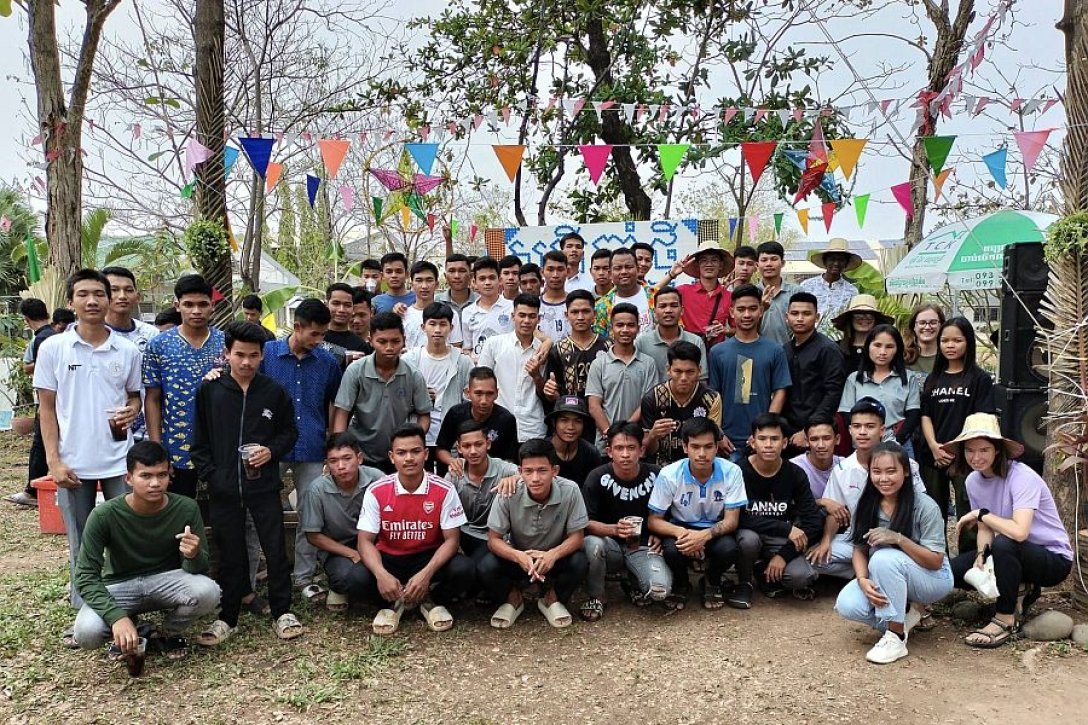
[
  {"x": 551, "y": 387},
  {"x": 188, "y": 543}
]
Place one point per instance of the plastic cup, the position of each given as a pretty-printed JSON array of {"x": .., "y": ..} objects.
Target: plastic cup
[
  {"x": 119, "y": 433},
  {"x": 134, "y": 662},
  {"x": 636, "y": 523},
  {"x": 252, "y": 472}
]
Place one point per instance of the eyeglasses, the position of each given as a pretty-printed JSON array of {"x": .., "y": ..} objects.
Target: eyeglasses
[{"x": 927, "y": 323}]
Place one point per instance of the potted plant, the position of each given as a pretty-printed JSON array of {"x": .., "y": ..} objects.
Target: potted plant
[{"x": 23, "y": 405}]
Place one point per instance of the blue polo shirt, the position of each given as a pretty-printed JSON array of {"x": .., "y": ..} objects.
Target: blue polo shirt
[
  {"x": 685, "y": 500},
  {"x": 312, "y": 382}
]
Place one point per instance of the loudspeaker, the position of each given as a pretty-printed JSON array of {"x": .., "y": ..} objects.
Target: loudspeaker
[
  {"x": 1022, "y": 359},
  {"x": 1024, "y": 268},
  {"x": 1022, "y": 412}
]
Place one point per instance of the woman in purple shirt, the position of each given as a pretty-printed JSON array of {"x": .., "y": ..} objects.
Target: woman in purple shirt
[{"x": 1018, "y": 524}]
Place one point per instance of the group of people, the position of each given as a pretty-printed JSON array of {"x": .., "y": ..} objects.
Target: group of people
[{"x": 533, "y": 431}]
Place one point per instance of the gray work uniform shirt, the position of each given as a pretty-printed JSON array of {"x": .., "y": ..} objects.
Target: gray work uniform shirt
[
  {"x": 531, "y": 525},
  {"x": 331, "y": 511},
  {"x": 380, "y": 406},
  {"x": 649, "y": 343},
  {"x": 620, "y": 385},
  {"x": 476, "y": 500}
]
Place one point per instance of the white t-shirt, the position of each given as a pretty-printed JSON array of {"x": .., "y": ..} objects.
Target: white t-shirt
[
  {"x": 437, "y": 371},
  {"x": 553, "y": 320},
  {"x": 582, "y": 280},
  {"x": 139, "y": 336},
  {"x": 517, "y": 391},
  {"x": 483, "y": 323},
  {"x": 639, "y": 300},
  {"x": 414, "y": 336}
]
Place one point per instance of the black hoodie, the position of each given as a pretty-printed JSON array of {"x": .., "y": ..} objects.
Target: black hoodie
[
  {"x": 227, "y": 418},
  {"x": 777, "y": 504}
]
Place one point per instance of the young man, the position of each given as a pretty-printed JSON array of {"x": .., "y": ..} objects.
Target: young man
[
  {"x": 600, "y": 270},
  {"x": 614, "y": 493},
  {"x": 458, "y": 293},
  {"x": 628, "y": 290},
  {"x": 381, "y": 393},
  {"x": 569, "y": 359},
  {"x": 424, "y": 283},
  {"x": 157, "y": 560},
  {"x": 330, "y": 516},
  {"x": 362, "y": 311},
  {"x": 705, "y": 301},
  {"x": 819, "y": 460},
  {"x": 510, "y": 355},
  {"x": 245, "y": 410},
  {"x": 510, "y": 276},
  {"x": 833, "y": 555},
  {"x": 344, "y": 344},
  {"x": 573, "y": 247},
  {"x": 252, "y": 307},
  {"x": 371, "y": 272},
  {"x": 476, "y": 482},
  {"x": 536, "y": 535},
  {"x": 749, "y": 371},
  {"x": 669, "y": 404},
  {"x": 779, "y": 521},
  {"x": 88, "y": 384},
  {"x": 409, "y": 533},
  {"x": 531, "y": 279},
  {"x": 816, "y": 369},
  {"x": 63, "y": 318},
  {"x": 832, "y": 291},
  {"x": 167, "y": 320},
  {"x": 444, "y": 369},
  {"x": 175, "y": 363},
  {"x": 577, "y": 457},
  {"x": 776, "y": 292},
  {"x": 668, "y": 310},
  {"x": 491, "y": 314},
  {"x": 394, "y": 273},
  {"x": 312, "y": 374},
  {"x": 619, "y": 378},
  {"x": 481, "y": 392},
  {"x": 124, "y": 307},
  {"x": 744, "y": 266},
  {"x": 36, "y": 317},
  {"x": 644, "y": 258},
  {"x": 553, "y": 303},
  {"x": 694, "y": 508}
]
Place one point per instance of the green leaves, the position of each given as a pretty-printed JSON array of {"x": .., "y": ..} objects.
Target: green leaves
[{"x": 156, "y": 100}]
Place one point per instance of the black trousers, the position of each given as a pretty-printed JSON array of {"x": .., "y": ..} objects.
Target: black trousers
[
  {"x": 1015, "y": 562},
  {"x": 498, "y": 576},
  {"x": 451, "y": 583},
  {"x": 36, "y": 466},
  {"x": 228, "y": 519},
  {"x": 721, "y": 553}
]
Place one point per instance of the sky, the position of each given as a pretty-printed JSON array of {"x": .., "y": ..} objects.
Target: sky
[{"x": 1036, "y": 50}]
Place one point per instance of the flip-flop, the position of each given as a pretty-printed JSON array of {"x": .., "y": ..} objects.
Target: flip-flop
[
  {"x": 387, "y": 620},
  {"x": 437, "y": 617},
  {"x": 505, "y": 616},
  {"x": 314, "y": 594},
  {"x": 336, "y": 602},
  {"x": 557, "y": 615},
  {"x": 288, "y": 626}
]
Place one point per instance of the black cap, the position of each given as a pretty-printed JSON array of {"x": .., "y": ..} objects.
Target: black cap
[
  {"x": 870, "y": 405},
  {"x": 570, "y": 404}
]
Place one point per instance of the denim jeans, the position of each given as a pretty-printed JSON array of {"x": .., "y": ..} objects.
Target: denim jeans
[
  {"x": 653, "y": 579},
  {"x": 183, "y": 596},
  {"x": 75, "y": 506},
  {"x": 900, "y": 579},
  {"x": 841, "y": 563},
  {"x": 754, "y": 547},
  {"x": 303, "y": 474}
]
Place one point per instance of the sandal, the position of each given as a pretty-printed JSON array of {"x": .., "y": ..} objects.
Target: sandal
[
  {"x": 505, "y": 616},
  {"x": 992, "y": 641},
  {"x": 216, "y": 634},
  {"x": 336, "y": 602},
  {"x": 676, "y": 601},
  {"x": 1031, "y": 593},
  {"x": 288, "y": 626},
  {"x": 258, "y": 606},
  {"x": 712, "y": 596},
  {"x": 437, "y": 617},
  {"x": 387, "y": 620},
  {"x": 804, "y": 594},
  {"x": 557, "y": 615},
  {"x": 173, "y": 646},
  {"x": 592, "y": 609},
  {"x": 314, "y": 594},
  {"x": 68, "y": 639}
]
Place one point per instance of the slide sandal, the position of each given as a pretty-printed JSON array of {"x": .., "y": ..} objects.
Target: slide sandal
[
  {"x": 437, "y": 617},
  {"x": 556, "y": 614},
  {"x": 505, "y": 616},
  {"x": 336, "y": 602},
  {"x": 387, "y": 620}
]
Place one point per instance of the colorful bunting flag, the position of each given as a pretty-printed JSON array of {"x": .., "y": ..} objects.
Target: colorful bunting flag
[
  {"x": 595, "y": 157},
  {"x": 670, "y": 155},
  {"x": 272, "y": 175},
  {"x": 196, "y": 153},
  {"x": 778, "y": 223},
  {"x": 829, "y": 214},
  {"x": 509, "y": 156},
  {"x": 753, "y": 227},
  {"x": 732, "y": 229},
  {"x": 376, "y": 202},
  {"x": 1031, "y": 143},
  {"x": 424, "y": 154},
  {"x": 817, "y": 148},
  {"x": 405, "y": 217},
  {"x": 937, "y": 149},
  {"x": 430, "y": 221},
  {"x": 861, "y": 206},
  {"x": 187, "y": 190},
  {"x": 901, "y": 192},
  {"x": 312, "y": 184},
  {"x": 938, "y": 182},
  {"x": 230, "y": 155},
  {"x": 756, "y": 154},
  {"x": 472, "y": 232},
  {"x": 347, "y": 196},
  {"x": 258, "y": 151},
  {"x": 802, "y": 218},
  {"x": 333, "y": 151},
  {"x": 847, "y": 152},
  {"x": 33, "y": 264},
  {"x": 454, "y": 225},
  {"x": 995, "y": 162}
]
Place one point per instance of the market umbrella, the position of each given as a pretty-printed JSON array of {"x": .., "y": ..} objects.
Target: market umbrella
[{"x": 966, "y": 255}]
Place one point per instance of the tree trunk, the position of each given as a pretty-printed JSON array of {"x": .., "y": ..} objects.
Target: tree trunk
[
  {"x": 60, "y": 124},
  {"x": 209, "y": 28}
]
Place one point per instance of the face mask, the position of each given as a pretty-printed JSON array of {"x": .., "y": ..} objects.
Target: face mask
[{"x": 371, "y": 285}]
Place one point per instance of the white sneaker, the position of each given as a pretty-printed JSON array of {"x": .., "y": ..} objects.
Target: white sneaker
[
  {"x": 914, "y": 616},
  {"x": 887, "y": 650}
]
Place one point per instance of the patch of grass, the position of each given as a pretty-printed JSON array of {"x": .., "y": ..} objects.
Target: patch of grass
[
  {"x": 32, "y": 605},
  {"x": 306, "y": 695},
  {"x": 1062, "y": 648},
  {"x": 376, "y": 656}
]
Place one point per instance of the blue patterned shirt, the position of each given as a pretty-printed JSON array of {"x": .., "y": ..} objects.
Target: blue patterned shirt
[
  {"x": 178, "y": 368},
  {"x": 312, "y": 382}
]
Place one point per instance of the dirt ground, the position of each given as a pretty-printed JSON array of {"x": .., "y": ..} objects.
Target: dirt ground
[{"x": 783, "y": 661}]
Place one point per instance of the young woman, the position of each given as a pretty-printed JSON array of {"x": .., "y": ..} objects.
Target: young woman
[
  {"x": 956, "y": 388},
  {"x": 883, "y": 375},
  {"x": 860, "y": 317},
  {"x": 922, "y": 339},
  {"x": 1017, "y": 521},
  {"x": 899, "y": 557}
]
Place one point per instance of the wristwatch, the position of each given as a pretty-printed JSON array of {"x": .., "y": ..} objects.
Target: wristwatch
[{"x": 981, "y": 513}]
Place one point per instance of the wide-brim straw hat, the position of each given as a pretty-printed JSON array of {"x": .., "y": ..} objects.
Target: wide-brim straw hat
[
  {"x": 838, "y": 245},
  {"x": 860, "y": 303},
  {"x": 712, "y": 246},
  {"x": 984, "y": 425}
]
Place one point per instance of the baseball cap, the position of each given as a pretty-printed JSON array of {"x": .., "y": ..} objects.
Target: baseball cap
[
  {"x": 869, "y": 405},
  {"x": 570, "y": 404}
]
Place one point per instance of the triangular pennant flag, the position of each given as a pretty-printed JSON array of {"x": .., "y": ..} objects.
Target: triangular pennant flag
[
  {"x": 196, "y": 153},
  {"x": 670, "y": 155},
  {"x": 861, "y": 207},
  {"x": 472, "y": 232},
  {"x": 187, "y": 190},
  {"x": 753, "y": 227},
  {"x": 405, "y": 217},
  {"x": 729, "y": 113},
  {"x": 347, "y": 196},
  {"x": 424, "y": 154},
  {"x": 415, "y": 203},
  {"x": 802, "y": 219},
  {"x": 732, "y": 228},
  {"x": 272, "y": 175},
  {"x": 778, "y": 223},
  {"x": 510, "y": 157},
  {"x": 628, "y": 112},
  {"x": 230, "y": 155},
  {"x": 312, "y": 184},
  {"x": 258, "y": 151},
  {"x": 333, "y": 151},
  {"x": 901, "y": 192},
  {"x": 995, "y": 162},
  {"x": 847, "y": 152},
  {"x": 1031, "y": 143},
  {"x": 376, "y": 202},
  {"x": 937, "y": 149},
  {"x": 595, "y": 156},
  {"x": 811, "y": 178},
  {"x": 938, "y": 182},
  {"x": 817, "y": 149},
  {"x": 454, "y": 225},
  {"x": 756, "y": 154},
  {"x": 829, "y": 214},
  {"x": 430, "y": 221}
]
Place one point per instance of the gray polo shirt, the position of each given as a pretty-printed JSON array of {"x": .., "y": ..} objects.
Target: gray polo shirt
[
  {"x": 380, "y": 406},
  {"x": 476, "y": 500},
  {"x": 650, "y": 343},
  {"x": 774, "y": 326},
  {"x": 621, "y": 385},
  {"x": 531, "y": 525},
  {"x": 334, "y": 512}
]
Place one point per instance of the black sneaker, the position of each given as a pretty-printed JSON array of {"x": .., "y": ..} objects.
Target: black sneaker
[
  {"x": 741, "y": 596},
  {"x": 771, "y": 590}
]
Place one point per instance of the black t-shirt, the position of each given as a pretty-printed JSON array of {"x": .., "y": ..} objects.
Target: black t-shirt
[
  {"x": 570, "y": 364},
  {"x": 586, "y": 458},
  {"x": 659, "y": 403},
  {"x": 779, "y": 502},
  {"x": 502, "y": 430},
  {"x": 608, "y": 498},
  {"x": 39, "y": 337},
  {"x": 949, "y": 398},
  {"x": 340, "y": 341}
]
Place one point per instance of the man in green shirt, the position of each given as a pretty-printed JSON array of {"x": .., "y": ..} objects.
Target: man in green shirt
[{"x": 157, "y": 555}]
